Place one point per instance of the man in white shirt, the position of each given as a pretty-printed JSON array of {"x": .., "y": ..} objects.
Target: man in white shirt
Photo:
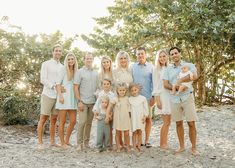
[{"x": 48, "y": 77}]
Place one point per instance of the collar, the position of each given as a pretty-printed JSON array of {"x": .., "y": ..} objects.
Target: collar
[
  {"x": 181, "y": 63},
  {"x": 145, "y": 64},
  {"x": 88, "y": 68},
  {"x": 54, "y": 61}
]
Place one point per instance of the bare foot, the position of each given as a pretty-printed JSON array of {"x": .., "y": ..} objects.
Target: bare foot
[
  {"x": 138, "y": 148},
  {"x": 180, "y": 150},
  {"x": 165, "y": 147},
  {"x": 40, "y": 147},
  {"x": 195, "y": 152},
  {"x": 65, "y": 146},
  {"x": 54, "y": 145},
  {"x": 118, "y": 150},
  {"x": 128, "y": 149},
  {"x": 79, "y": 148}
]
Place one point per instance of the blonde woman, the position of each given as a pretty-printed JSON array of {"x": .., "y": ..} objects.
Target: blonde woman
[
  {"x": 106, "y": 71},
  {"x": 122, "y": 73},
  {"x": 162, "y": 95},
  {"x": 66, "y": 102}
]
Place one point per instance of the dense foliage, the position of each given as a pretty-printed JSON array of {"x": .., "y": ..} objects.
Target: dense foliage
[
  {"x": 21, "y": 56},
  {"x": 203, "y": 29}
]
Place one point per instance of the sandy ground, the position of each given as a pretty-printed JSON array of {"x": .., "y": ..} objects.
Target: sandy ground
[{"x": 216, "y": 143}]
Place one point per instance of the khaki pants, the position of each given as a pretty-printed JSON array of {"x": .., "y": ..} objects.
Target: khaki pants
[{"x": 84, "y": 124}]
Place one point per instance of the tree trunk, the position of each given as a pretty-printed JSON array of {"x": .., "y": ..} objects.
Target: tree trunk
[{"x": 201, "y": 81}]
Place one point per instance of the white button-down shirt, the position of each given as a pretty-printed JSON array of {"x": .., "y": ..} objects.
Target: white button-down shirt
[{"x": 49, "y": 77}]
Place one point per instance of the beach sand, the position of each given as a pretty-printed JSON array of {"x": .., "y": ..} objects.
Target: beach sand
[{"x": 215, "y": 142}]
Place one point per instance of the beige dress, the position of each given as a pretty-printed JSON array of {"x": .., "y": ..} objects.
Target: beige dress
[
  {"x": 121, "y": 117},
  {"x": 122, "y": 75}
]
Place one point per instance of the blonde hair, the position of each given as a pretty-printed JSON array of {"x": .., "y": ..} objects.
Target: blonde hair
[
  {"x": 120, "y": 85},
  {"x": 70, "y": 73},
  {"x": 104, "y": 98},
  {"x": 121, "y": 54},
  {"x": 157, "y": 63},
  {"x": 110, "y": 73},
  {"x": 134, "y": 85}
]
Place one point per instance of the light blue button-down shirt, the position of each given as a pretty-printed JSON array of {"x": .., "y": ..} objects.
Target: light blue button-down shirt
[
  {"x": 171, "y": 74},
  {"x": 88, "y": 84},
  {"x": 142, "y": 74}
]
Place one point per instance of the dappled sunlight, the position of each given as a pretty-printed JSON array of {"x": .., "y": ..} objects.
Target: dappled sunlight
[{"x": 21, "y": 85}]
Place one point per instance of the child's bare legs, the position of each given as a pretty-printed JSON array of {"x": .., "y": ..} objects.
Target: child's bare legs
[
  {"x": 118, "y": 140},
  {"x": 164, "y": 131},
  {"x": 127, "y": 139},
  {"x": 72, "y": 122},
  {"x": 139, "y": 137},
  {"x": 62, "y": 117},
  {"x": 134, "y": 138}
]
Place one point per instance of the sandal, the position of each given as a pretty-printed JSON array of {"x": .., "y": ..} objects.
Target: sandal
[{"x": 148, "y": 145}]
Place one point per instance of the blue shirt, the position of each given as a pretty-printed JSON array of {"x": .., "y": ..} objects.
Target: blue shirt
[
  {"x": 171, "y": 74},
  {"x": 142, "y": 74},
  {"x": 87, "y": 79}
]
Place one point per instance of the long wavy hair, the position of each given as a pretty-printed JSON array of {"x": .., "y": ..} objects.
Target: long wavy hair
[
  {"x": 157, "y": 63},
  {"x": 70, "y": 73},
  {"x": 102, "y": 73}
]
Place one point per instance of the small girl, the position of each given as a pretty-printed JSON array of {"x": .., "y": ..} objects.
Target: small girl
[
  {"x": 106, "y": 91},
  {"x": 139, "y": 112},
  {"x": 103, "y": 126},
  {"x": 185, "y": 85},
  {"x": 121, "y": 115}
]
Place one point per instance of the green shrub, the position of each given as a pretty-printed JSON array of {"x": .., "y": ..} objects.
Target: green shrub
[{"x": 19, "y": 109}]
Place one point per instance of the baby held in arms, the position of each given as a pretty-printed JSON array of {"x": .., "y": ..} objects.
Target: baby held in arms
[{"x": 185, "y": 85}]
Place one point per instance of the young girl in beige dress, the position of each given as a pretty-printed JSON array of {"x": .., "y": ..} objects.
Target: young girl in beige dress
[{"x": 121, "y": 115}]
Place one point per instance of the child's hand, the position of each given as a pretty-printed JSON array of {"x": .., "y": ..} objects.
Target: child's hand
[
  {"x": 95, "y": 114},
  {"x": 106, "y": 120}
]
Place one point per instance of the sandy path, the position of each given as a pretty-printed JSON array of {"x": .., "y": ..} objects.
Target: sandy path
[{"x": 216, "y": 143}]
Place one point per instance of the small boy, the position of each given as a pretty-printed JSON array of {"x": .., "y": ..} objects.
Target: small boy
[{"x": 103, "y": 126}]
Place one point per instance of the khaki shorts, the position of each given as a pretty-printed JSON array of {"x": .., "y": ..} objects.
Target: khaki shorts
[
  {"x": 48, "y": 106},
  {"x": 186, "y": 108}
]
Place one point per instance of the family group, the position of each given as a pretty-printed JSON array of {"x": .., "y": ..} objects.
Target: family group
[{"x": 119, "y": 99}]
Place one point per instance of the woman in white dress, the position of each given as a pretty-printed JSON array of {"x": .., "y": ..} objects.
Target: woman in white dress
[{"x": 162, "y": 96}]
